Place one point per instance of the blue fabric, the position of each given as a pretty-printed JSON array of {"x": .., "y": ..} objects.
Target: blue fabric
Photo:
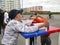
[{"x": 33, "y": 34}]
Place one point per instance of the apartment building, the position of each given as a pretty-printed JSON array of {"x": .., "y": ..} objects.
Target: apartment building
[
  {"x": 9, "y": 4},
  {"x": 34, "y": 8}
]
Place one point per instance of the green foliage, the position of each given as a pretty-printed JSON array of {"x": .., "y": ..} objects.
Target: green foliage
[
  {"x": 44, "y": 12},
  {"x": 27, "y": 13}
]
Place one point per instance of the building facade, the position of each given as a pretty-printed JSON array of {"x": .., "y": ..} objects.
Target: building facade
[
  {"x": 9, "y": 4},
  {"x": 34, "y": 8}
]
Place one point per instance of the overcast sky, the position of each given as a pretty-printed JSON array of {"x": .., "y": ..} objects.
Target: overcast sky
[{"x": 50, "y": 5}]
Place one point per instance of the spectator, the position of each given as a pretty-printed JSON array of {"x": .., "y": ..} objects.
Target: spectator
[
  {"x": 50, "y": 15},
  {"x": 1, "y": 19},
  {"x": 6, "y": 18}
]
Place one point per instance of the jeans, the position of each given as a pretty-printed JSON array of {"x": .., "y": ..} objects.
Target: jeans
[
  {"x": 32, "y": 41},
  {"x": 45, "y": 40}
]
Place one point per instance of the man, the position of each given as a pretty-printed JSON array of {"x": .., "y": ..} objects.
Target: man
[
  {"x": 15, "y": 26},
  {"x": 45, "y": 40},
  {"x": 50, "y": 15}
]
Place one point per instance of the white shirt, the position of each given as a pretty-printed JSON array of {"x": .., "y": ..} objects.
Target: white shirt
[
  {"x": 12, "y": 31},
  {"x": 6, "y": 17}
]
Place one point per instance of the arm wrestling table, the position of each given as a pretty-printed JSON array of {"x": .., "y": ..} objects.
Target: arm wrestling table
[{"x": 39, "y": 33}]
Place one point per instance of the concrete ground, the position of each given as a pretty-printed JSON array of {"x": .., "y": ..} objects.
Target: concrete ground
[{"x": 55, "y": 21}]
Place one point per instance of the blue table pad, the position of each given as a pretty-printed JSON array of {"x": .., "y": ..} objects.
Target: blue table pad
[{"x": 33, "y": 34}]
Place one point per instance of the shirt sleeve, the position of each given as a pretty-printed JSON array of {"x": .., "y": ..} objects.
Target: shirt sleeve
[
  {"x": 28, "y": 22},
  {"x": 25, "y": 28}
]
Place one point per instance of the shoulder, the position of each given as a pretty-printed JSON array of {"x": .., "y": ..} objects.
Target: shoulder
[{"x": 12, "y": 22}]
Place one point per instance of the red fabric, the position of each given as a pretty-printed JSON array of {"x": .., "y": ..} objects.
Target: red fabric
[
  {"x": 52, "y": 30},
  {"x": 37, "y": 20}
]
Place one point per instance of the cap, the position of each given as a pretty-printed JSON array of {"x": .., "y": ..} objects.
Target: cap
[{"x": 14, "y": 12}]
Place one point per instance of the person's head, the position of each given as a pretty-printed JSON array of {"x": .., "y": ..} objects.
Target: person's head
[
  {"x": 32, "y": 17},
  {"x": 1, "y": 12},
  {"x": 15, "y": 14},
  {"x": 35, "y": 13}
]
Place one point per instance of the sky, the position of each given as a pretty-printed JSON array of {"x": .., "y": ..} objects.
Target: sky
[{"x": 49, "y": 5}]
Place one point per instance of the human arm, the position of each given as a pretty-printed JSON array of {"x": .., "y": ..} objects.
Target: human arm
[{"x": 25, "y": 28}]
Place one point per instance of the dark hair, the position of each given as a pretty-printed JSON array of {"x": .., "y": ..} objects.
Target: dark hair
[
  {"x": 35, "y": 13},
  {"x": 1, "y": 16},
  {"x": 1, "y": 11}
]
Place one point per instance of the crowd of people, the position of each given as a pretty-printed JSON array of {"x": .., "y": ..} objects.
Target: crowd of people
[{"x": 12, "y": 24}]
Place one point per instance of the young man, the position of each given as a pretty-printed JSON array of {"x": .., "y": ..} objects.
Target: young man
[
  {"x": 15, "y": 26},
  {"x": 45, "y": 40}
]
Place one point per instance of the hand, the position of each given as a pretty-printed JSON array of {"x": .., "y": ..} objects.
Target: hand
[{"x": 45, "y": 24}]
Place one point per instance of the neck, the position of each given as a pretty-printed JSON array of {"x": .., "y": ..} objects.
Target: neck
[{"x": 18, "y": 19}]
